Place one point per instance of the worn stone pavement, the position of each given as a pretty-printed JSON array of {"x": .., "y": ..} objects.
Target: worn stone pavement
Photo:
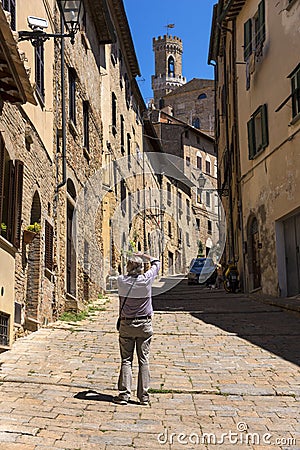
[{"x": 223, "y": 368}]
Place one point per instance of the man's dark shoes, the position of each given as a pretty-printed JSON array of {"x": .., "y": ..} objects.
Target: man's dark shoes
[{"x": 120, "y": 401}]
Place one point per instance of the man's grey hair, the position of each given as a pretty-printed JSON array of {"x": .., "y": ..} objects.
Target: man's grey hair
[{"x": 134, "y": 265}]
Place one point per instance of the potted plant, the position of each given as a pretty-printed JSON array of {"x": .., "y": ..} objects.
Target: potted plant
[
  {"x": 3, "y": 228},
  {"x": 30, "y": 232}
]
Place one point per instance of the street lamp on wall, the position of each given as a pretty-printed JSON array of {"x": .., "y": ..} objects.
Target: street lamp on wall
[
  {"x": 71, "y": 12},
  {"x": 201, "y": 184}
]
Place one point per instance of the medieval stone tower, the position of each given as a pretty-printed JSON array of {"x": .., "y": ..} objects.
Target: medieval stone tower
[{"x": 168, "y": 67}]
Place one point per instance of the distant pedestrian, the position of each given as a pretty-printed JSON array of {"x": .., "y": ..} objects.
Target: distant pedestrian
[
  {"x": 135, "y": 307},
  {"x": 220, "y": 277}
]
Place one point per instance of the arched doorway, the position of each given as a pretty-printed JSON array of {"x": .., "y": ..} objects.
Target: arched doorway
[
  {"x": 253, "y": 254},
  {"x": 71, "y": 251},
  {"x": 34, "y": 267}
]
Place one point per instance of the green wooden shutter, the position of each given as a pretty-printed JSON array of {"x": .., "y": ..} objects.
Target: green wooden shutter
[
  {"x": 17, "y": 205},
  {"x": 2, "y": 175},
  {"x": 10, "y": 200},
  {"x": 247, "y": 39},
  {"x": 264, "y": 126},
  {"x": 251, "y": 138},
  {"x": 261, "y": 22}
]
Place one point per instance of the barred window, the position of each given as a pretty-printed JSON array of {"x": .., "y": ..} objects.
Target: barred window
[{"x": 4, "y": 329}]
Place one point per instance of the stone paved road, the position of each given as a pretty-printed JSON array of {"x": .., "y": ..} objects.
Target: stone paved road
[{"x": 225, "y": 375}]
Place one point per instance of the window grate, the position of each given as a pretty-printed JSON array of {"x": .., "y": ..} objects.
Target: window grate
[{"x": 4, "y": 325}]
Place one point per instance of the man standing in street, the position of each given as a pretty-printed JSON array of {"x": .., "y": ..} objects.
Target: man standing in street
[{"x": 135, "y": 295}]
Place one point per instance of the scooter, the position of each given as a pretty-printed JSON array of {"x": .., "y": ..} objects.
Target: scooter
[{"x": 231, "y": 281}]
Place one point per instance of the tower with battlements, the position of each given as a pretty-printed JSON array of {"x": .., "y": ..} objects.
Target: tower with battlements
[{"x": 168, "y": 67}]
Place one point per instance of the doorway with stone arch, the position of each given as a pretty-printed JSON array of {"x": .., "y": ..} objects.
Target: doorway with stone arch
[
  {"x": 33, "y": 285},
  {"x": 254, "y": 269}
]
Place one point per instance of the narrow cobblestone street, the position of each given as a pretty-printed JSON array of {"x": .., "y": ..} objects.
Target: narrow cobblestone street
[{"x": 225, "y": 374}]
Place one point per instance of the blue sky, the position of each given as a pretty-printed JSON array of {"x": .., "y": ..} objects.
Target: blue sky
[{"x": 192, "y": 19}]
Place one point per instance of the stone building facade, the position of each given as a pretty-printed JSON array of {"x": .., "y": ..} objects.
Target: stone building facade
[
  {"x": 193, "y": 103},
  {"x": 69, "y": 147},
  {"x": 192, "y": 152},
  {"x": 26, "y": 184},
  {"x": 257, "y": 136}
]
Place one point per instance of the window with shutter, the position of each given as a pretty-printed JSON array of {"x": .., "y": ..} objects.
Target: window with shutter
[
  {"x": 17, "y": 203},
  {"x": 11, "y": 192},
  {"x": 247, "y": 39},
  {"x": 48, "y": 246},
  {"x": 9, "y": 199},
  {"x": 264, "y": 128},
  {"x": 255, "y": 32},
  {"x": 260, "y": 26},
  {"x": 258, "y": 135},
  {"x": 295, "y": 94},
  {"x": 251, "y": 137}
]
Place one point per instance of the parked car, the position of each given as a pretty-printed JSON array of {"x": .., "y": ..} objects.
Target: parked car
[{"x": 202, "y": 271}]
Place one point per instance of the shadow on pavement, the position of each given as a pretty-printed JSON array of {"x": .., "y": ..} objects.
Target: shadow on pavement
[
  {"x": 266, "y": 326},
  {"x": 93, "y": 395},
  {"x": 98, "y": 397}
]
